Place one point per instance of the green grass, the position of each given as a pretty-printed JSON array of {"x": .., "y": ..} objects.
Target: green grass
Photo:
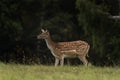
[{"x": 40, "y": 72}]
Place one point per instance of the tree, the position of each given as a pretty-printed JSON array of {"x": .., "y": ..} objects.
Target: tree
[
  {"x": 87, "y": 20},
  {"x": 94, "y": 18}
]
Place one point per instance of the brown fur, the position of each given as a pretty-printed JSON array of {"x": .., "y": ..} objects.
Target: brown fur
[{"x": 61, "y": 50}]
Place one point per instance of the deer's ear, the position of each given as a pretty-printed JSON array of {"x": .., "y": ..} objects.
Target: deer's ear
[
  {"x": 42, "y": 30},
  {"x": 46, "y": 30}
]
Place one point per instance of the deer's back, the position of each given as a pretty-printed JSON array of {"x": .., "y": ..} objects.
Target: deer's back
[{"x": 73, "y": 45}]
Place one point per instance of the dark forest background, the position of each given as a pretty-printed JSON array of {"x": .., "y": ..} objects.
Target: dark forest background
[{"x": 67, "y": 20}]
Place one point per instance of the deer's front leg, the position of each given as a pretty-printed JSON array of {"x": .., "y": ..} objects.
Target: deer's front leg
[
  {"x": 56, "y": 61},
  {"x": 62, "y": 61}
]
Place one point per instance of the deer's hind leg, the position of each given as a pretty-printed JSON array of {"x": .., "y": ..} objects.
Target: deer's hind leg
[{"x": 84, "y": 60}]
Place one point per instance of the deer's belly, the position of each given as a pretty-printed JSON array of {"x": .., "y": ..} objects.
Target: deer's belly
[{"x": 70, "y": 53}]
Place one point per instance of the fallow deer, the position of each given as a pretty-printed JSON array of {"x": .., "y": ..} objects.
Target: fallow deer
[{"x": 61, "y": 50}]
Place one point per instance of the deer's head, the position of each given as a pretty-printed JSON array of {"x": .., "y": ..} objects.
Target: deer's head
[{"x": 44, "y": 35}]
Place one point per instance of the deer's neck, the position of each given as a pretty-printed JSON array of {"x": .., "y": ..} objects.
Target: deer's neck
[{"x": 50, "y": 43}]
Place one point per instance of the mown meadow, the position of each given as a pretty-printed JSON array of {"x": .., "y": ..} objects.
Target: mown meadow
[{"x": 48, "y": 72}]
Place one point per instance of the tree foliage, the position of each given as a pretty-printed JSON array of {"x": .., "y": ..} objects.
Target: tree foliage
[
  {"x": 94, "y": 18},
  {"x": 67, "y": 20}
]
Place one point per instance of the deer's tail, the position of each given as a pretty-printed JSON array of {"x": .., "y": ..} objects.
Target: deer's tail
[{"x": 88, "y": 47}]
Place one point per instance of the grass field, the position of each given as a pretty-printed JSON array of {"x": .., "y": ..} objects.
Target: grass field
[{"x": 40, "y": 72}]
